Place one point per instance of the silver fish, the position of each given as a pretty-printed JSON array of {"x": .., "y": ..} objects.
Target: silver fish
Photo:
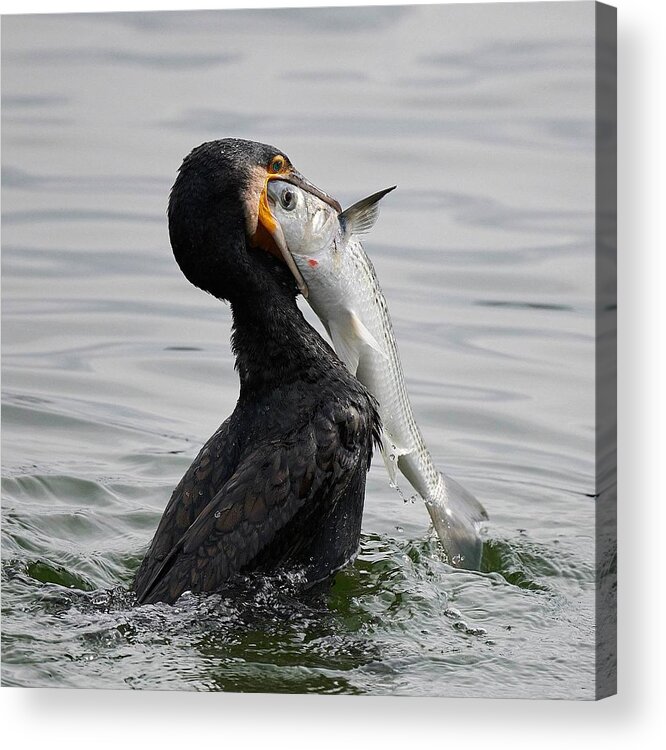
[{"x": 343, "y": 290}]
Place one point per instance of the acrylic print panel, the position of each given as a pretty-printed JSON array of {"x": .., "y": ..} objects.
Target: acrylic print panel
[{"x": 499, "y": 277}]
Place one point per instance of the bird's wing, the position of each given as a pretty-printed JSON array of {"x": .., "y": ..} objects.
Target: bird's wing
[
  {"x": 271, "y": 484},
  {"x": 208, "y": 473}
]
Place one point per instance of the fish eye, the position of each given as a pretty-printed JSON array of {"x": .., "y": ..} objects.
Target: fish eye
[
  {"x": 277, "y": 165},
  {"x": 288, "y": 199}
]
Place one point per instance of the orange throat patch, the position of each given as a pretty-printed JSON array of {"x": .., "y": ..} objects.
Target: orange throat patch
[{"x": 263, "y": 235}]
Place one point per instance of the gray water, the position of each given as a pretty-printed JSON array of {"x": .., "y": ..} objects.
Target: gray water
[{"x": 115, "y": 370}]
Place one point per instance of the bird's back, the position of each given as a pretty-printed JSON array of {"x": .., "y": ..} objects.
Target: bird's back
[{"x": 280, "y": 484}]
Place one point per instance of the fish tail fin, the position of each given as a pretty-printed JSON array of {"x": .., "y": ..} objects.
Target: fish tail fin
[{"x": 460, "y": 525}]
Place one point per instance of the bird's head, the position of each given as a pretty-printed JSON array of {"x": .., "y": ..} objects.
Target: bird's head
[{"x": 222, "y": 232}]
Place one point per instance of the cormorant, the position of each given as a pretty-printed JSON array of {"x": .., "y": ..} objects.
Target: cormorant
[{"x": 281, "y": 484}]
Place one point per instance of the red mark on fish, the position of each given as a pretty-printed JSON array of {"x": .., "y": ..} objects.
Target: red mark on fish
[{"x": 313, "y": 263}]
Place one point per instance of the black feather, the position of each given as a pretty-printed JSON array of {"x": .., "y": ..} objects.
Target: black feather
[{"x": 282, "y": 481}]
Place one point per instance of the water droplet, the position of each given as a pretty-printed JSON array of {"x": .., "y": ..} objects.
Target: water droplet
[
  {"x": 393, "y": 485},
  {"x": 218, "y": 513},
  {"x": 476, "y": 631}
]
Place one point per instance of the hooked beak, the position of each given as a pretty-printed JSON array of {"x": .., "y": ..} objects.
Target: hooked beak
[
  {"x": 268, "y": 224},
  {"x": 296, "y": 178}
]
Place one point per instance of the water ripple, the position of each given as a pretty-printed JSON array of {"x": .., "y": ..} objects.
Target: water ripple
[{"x": 114, "y": 56}]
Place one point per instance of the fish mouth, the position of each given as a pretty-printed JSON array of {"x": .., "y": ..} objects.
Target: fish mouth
[{"x": 275, "y": 242}]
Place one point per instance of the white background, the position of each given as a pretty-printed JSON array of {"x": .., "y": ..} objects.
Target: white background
[{"x": 635, "y": 718}]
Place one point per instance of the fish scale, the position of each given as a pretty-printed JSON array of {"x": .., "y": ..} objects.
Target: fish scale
[
  {"x": 344, "y": 292},
  {"x": 385, "y": 375}
]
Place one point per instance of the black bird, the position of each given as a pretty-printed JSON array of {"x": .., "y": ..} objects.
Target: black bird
[{"x": 281, "y": 483}]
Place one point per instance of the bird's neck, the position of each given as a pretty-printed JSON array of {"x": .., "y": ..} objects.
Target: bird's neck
[{"x": 274, "y": 343}]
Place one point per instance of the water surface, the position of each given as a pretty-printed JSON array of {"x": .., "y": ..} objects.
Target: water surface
[{"x": 115, "y": 370}]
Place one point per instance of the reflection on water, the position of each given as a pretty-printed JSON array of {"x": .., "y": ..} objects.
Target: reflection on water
[{"x": 115, "y": 370}]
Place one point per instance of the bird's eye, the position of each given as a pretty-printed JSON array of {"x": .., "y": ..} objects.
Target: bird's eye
[
  {"x": 288, "y": 199},
  {"x": 277, "y": 165}
]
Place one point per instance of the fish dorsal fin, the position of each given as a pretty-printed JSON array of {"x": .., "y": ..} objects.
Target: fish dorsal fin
[{"x": 362, "y": 216}]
